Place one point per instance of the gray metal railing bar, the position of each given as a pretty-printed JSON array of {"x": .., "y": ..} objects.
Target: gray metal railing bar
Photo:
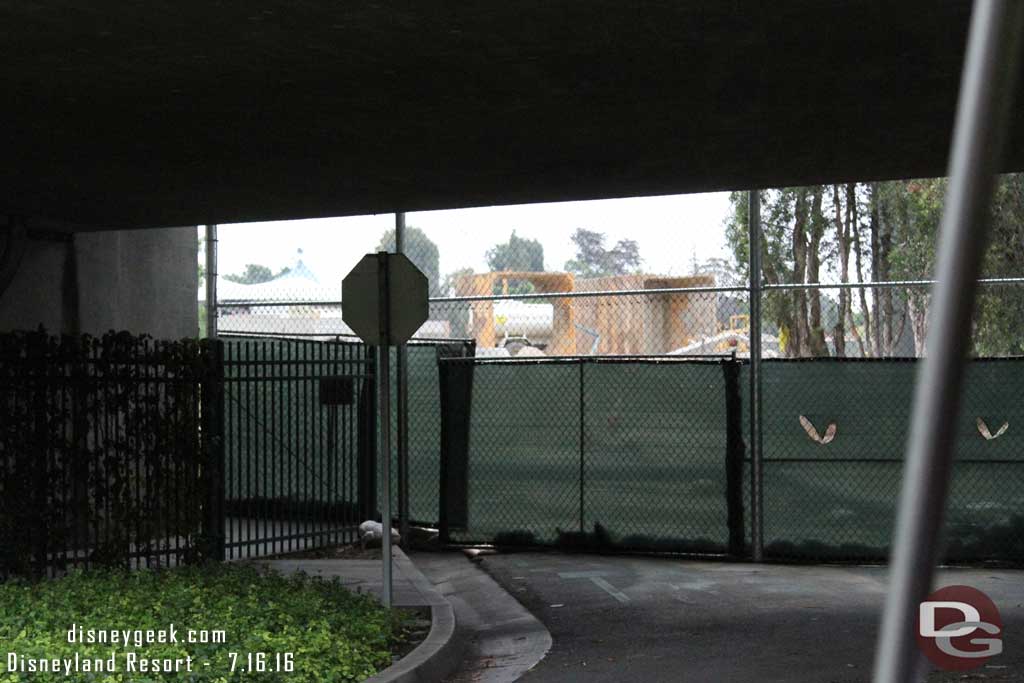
[
  {"x": 891, "y": 283},
  {"x": 585, "y": 295},
  {"x": 246, "y": 303},
  {"x": 553, "y": 360},
  {"x": 336, "y": 337},
  {"x": 505, "y": 297}
]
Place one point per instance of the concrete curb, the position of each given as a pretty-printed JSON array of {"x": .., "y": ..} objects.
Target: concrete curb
[
  {"x": 503, "y": 639},
  {"x": 440, "y": 652}
]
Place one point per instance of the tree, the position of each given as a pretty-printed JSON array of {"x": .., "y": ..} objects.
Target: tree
[
  {"x": 593, "y": 260},
  {"x": 421, "y": 250},
  {"x": 451, "y": 279},
  {"x": 516, "y": 254},
  {"x": 875, "y": 232},
  {"x": 725, "y": 273},
  {"x": 253, "y": 274},
  {"x": 455, "y": 312},
  {"x": 795, "y": 226}
]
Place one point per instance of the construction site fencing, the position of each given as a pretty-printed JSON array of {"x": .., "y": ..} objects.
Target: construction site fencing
[
  {"x": 416, "y": 479},
  {"x": 834, "y": 433},
  {"x": 594, "y": 453},
  {"x": 538, "y": 316},
  {"x": 651, "y": 454},
  {"x": 680, "y": 321}
]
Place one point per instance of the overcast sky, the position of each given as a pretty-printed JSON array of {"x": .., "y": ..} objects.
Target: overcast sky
[{"x": 670, "y": 231}]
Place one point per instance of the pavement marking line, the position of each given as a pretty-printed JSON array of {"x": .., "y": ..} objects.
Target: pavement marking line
[
  {"x": 581, "y": 575},
  {"x": 610, "y": 589},
  {"x": 597, "y": 578}
]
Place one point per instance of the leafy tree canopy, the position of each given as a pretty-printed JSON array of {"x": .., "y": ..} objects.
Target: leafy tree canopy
[
  {"x": 254, "y": 274},
  {"x": 594, "y": 260},
  {"x": 875, "y": 232},
  {"x": 516, "y": 254}
]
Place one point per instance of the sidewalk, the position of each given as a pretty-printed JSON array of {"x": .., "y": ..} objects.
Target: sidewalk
[
  {"x": 433, "y": 659},
  {"x": 409, "y": 587},
  {"x": 479, "y": 632}
]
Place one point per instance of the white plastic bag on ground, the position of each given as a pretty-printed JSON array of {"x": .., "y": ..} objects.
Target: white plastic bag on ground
[{"x": 372, "y": 533}]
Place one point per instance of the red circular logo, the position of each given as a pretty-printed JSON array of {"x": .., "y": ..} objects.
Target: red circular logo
[{"x": 959, "y": 628}]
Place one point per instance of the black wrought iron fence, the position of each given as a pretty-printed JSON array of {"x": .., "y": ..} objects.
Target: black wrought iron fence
[{"x": 104, "y": 455}]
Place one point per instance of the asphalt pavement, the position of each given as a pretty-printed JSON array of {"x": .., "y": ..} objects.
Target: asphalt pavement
[{"x": 617, "y": 618}]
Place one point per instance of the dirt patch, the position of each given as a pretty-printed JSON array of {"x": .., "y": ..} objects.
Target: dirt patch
[{"x": 412, "y": 629}]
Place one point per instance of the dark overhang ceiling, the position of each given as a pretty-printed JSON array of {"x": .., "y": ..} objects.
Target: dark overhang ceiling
[{"x": 193, "y": 111}]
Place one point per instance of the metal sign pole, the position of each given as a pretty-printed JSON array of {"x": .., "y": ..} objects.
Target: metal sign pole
[
  {"x": 384, "y": 349},
  {"x": 986, "y": 90},
  {"x": 754, "y": 345},
  {"x": 402, "y": 377}
]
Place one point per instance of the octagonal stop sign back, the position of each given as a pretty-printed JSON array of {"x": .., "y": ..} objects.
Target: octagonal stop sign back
[{"x": 404, "y": 286}]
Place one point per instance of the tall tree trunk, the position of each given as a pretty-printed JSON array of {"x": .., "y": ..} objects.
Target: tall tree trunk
[
  {"x": 852, "y": 198},
  {"x": 876, "y": 276},
  {"x": 843, "y": 242},
  {"x": 816, "y": 340},
  {"x": 917, "y": 308},
  {"x": 882, "y": 249},
  {"x": 851, "y": 232},
  {"x": 800, "y": 333}
]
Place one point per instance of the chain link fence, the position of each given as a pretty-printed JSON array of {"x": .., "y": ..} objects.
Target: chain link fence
[
  {"x": 882, "y": 320},
  {"x": 834, "y": 434},
  {"x": 596, "y": 453},
  {"x": 825, "y": 497}
]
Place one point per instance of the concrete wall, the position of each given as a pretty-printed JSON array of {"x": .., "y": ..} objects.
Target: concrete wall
[{"x": 143, "y": 281}]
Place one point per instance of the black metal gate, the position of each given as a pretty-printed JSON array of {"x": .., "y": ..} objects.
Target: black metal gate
[{"x": 299, "y": 441}]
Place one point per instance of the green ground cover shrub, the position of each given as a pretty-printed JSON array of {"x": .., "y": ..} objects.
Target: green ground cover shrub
[{"x": 274, "y": 628}]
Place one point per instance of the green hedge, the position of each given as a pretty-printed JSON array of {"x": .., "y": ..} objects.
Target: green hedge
[{"x": 316, "y": 627}]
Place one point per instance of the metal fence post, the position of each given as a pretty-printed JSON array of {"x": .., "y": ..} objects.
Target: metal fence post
[
  {"x": 213, "y": 445},
  {"x": 756, "y": 463},
  {"x": 582, "y": 447},
  {"x": 211, "y": 280},
  {"x": 983, "y": 108},
  {"x": 366, "y": 438},
  {"x": 734, "y": 457},
  {"x": 384, "y": 398},
  {"x": 455, "y": 381}
]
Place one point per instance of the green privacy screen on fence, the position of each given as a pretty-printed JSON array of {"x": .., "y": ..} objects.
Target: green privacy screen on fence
[
  {"x": 630, "y": 453},
  {"x": 594, "y": 452},
  {"x": 836, "y": 499},
  {"x": 424, "y": 428},
  {"x": 635, "y": 453}
]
